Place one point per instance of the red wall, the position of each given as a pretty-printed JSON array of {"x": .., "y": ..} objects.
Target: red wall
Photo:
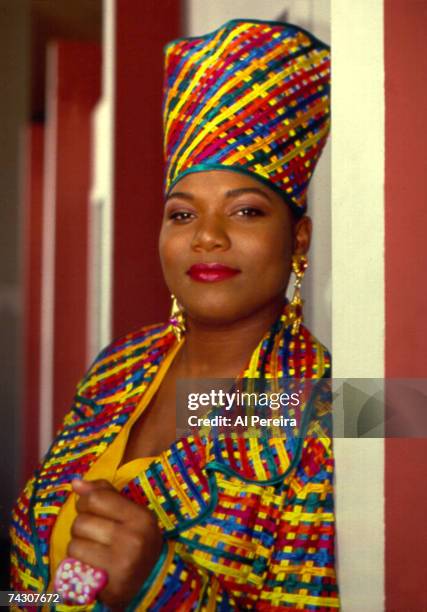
[
  {"x": 142, "y": 29},
  {"x": 78, "y": 74},
  {"x": 406, "y": 293}
]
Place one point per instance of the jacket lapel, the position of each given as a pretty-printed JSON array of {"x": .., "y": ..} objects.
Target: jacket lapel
[{"x": 105, "y": 399}]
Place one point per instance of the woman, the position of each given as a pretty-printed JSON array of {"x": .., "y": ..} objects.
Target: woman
[{"x": 202, "y": 523}]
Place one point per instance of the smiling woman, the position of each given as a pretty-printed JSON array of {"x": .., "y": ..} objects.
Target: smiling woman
[
  {"x": 124, "y": 514},
  {"x": 222, "y": 225}
]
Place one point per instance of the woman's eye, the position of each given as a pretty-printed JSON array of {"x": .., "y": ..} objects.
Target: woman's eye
[
  {"x": 250, "y": 211},
  {"x": 181, "y": 215}
]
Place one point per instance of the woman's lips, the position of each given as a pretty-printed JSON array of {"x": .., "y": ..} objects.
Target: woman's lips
[{"x": 211, "y": 273}]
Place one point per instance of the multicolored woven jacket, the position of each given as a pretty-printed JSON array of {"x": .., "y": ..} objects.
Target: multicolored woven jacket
[{"x": 248, "y": 523}]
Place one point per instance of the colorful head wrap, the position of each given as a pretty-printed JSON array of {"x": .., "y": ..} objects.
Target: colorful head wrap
[{"x": 253, "y": 96}]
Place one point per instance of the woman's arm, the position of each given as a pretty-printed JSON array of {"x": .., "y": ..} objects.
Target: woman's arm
[{"x": 301, "y": 571}]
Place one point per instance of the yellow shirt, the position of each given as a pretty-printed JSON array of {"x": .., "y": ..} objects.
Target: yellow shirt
[{"x": 107, "y": 468}]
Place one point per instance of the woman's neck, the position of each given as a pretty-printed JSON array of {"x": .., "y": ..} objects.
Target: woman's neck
[{"x": 222, "y": 351}]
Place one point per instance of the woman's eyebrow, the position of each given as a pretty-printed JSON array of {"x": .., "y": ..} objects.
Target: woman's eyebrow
[
  {"x": 180, "y": 194},
  {"x": 233, "y": 193}
]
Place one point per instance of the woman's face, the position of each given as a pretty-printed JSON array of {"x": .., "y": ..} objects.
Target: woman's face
[{"x": 226, "y": 245}]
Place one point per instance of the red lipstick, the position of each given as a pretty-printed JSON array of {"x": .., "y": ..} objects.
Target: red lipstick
[{"x": 211, "y": 272}]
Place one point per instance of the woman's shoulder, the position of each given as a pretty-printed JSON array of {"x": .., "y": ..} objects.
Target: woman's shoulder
[
  {"x": 137, "y": 339},
  {"x": 127, "y": 352}
]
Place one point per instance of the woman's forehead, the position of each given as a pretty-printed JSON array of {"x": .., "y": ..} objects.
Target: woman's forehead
[{"x": 221, "y": 182}]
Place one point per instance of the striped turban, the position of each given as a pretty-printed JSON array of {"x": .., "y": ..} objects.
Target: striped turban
[{"x": 253, "y": 96}]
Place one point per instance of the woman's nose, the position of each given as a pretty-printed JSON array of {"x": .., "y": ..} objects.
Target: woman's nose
[{"x": 210, "y": 234}]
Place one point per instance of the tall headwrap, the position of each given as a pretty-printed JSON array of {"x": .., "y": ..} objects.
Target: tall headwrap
[{"x": 253, "y": 96}]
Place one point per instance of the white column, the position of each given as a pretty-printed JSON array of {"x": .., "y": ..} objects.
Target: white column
[
  {"x": 358, "y": 286},
  {"x": 48, "y": 258},
  {"x": 100, "y": 276}
]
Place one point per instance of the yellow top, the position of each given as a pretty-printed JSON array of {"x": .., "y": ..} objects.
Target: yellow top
[{"x": 107, "y": 468}]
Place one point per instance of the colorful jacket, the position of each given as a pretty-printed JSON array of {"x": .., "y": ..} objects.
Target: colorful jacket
[{"x": 248, "y": 523}]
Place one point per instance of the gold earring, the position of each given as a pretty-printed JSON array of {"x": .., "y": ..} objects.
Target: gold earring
[
  {"x": 177, "y": 318},
  {"x": 299, "y": 266}
]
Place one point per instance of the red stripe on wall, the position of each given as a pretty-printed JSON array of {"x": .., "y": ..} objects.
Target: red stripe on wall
[
  {"x": 142, "y": 29},
  {"x": 406, "y": 292},
  {"x": 32, "y": 262},
  {"x": 78, "y": 90}
]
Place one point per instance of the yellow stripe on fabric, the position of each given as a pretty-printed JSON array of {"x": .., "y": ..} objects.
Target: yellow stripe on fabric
[
  {"x": 307, "y": 517},
  {"x": 254, "y": 453},
  {"x": 217, "y": 568},
  {"x": 155, "y": 502},
  {"x": 67, "y": 608},
  {"x": 228, "y": 86},
  {"x": 72, "y": 456},
  {"x": 38, "y": 510},
  {"x": 320, "y": 360},
  {"x": 211, "y": 604},
  {"x": 252, "y": 94},
  {"x": 23, "y": 546},
  {"x": 28, "y": 580},
  {"x": 61, "y": 487},
  {"x": 308, "y": 600},
  {"x": 284, "y": 460},
  {"x": 253, "y": 364},
  {"x": 234, "y": 487},
  {"x": 127, "y": 392},
  {"x": 216, "y": 534},
  {"x": 309, "y": 570}
]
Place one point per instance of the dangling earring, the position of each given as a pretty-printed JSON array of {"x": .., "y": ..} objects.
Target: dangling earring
[
  {"x": 177, "y": 319},
  {"x": 299, "y": 266}
]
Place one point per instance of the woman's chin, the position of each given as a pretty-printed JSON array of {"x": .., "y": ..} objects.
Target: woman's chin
[
  {"x": 215, "y": 314},
  {"x": 220, "y": 314}
]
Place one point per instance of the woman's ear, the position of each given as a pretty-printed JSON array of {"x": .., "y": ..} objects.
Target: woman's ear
[{"x": 302, "y": 235}]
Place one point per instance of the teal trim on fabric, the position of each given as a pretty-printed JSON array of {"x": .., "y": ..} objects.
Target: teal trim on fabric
[
  {"x": 269, "y": 456},
  {"x": 149, "y": 581},
  {"x": 172, "y": 504},
  {"x": 42, "y": 567},
  {"x": 298, "y": 211},
  {"x": 296, "y": 584},
  {"x": 231, "y": 22},
  {"x": 224, "y": 469}
]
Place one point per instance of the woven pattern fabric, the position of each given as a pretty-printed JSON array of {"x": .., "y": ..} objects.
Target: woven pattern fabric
[
  {"x": 248, "y": 523},
  {"x": 251, "y": 96}
]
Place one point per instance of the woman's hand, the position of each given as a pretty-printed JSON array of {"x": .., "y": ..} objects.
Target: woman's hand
[{"x": 114, "y": 534}]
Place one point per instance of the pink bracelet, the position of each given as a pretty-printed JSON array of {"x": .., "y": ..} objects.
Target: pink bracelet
[{"x": 79, "y": 583}]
